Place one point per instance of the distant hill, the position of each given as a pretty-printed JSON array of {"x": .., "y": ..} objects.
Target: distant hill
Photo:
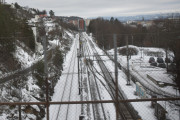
[
  {"x": 145, "y": 17},
  {"x": 67, "y": 18}
]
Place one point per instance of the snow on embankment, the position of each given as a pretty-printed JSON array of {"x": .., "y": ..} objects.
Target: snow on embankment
[{"x": 23, "y": 57}]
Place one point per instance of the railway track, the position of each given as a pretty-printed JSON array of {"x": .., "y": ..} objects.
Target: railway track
[
  {"x": 126, "y": 111},
  {"x": 94, "y": 89},
  {"x": 69, "y": 91}
]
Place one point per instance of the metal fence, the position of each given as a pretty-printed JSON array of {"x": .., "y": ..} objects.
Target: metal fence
[{"x": 92, "y": 84}]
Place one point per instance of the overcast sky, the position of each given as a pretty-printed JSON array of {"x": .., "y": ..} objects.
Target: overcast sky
[{"x": 97, "y": 8}]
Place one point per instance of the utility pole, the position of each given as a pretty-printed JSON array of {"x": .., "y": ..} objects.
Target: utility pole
[
  {"x": 103, "y": 41},
  {"x": 20, "y": 92},
  {"x": 79, "y": 72},
  {"x": 46, "y": 76},
  {"x": 132, "y": 38},
  {"x": 19, "y": 107},
  {"x": 78, "y": 55},
  {"x": 20, "y": 99},
  {"x": 127, "y": 53},
  {"x": 116, "y": 76},
  {"x": 166, "y": 59},
  {"x": 78, "y": 52}
]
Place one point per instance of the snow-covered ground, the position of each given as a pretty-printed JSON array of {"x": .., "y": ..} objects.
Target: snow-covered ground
[
  {"x": 139, "y": 65},
  {"x": 144, "y": 108},
  {"x": 24, "y": 58},
  {"x": 29, "y": 90},
  {"x": 67, "y": 88}
]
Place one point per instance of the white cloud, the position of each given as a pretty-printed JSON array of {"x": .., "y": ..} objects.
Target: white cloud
[{"x": 93, "y": 8}]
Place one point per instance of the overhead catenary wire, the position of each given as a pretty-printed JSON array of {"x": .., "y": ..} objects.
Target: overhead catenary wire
[
  {"x": 4, "y": 37},
  {"x": 98, "y": 91},
  {"x": 110, "y": 84},
  {"x": 133, "y": 34},
  {"x": 100, "y": 34}
]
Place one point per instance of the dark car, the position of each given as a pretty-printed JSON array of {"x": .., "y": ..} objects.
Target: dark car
[
  {"x": 151, "y": 60},
  {"x": 160, "y": 60},
  {"x": 162, "y": 65},
  {"x": 154, "y": 64}
]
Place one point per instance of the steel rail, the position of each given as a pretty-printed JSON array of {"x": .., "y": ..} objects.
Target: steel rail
[
  {"x": 89, "y": 102},
  {"x": 72, "y": 58},
  {"x": 71, "y": 83},
  {"x": 98, "y": 91},
  {"x": 126, "y": 113}
]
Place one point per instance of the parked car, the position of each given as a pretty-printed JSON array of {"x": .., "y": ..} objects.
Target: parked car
[
  {"x": 160, "y": 60},
  {"x": 154, "y": 64},
  {"x": 151, "y": 60},
  {"x": 162, "y": 65}
]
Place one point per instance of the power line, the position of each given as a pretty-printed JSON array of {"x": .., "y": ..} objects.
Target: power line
[
  {"x": 110, "y": 34},
  {"x": 16, "y": 37},
  {"x": 133, "y": 34}
]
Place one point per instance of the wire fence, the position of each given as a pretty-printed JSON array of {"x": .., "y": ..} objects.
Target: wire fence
[{"x": 85, "y": 86}]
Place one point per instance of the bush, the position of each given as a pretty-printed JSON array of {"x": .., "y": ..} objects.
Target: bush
[
  {"x": 58, "y": 59},
  {"x": 39, "y": 67},
  {"x": 40, "y": 81},
  {"x": 39, "y": 73},
  {"x": 132, "y": 51}
]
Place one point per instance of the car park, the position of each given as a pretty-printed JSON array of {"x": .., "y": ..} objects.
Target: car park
[{"x": 151, "y": 60}]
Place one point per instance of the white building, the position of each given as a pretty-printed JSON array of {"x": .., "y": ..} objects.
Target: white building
[{"x": 37, "y": 17}]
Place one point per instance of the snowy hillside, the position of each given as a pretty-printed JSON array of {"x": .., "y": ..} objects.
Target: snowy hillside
[{"x": 28, "y": 86}]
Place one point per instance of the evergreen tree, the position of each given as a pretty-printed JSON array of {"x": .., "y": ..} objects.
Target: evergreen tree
[
  {"x": 58, "y": 59},
  {"x": 51, "y": 13},
  {"x": 44, "y": 12},
  {"x": 112, "y": 20},
  {"x": 8, "y": 24},
  {"x": 17, "y": 6}
]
